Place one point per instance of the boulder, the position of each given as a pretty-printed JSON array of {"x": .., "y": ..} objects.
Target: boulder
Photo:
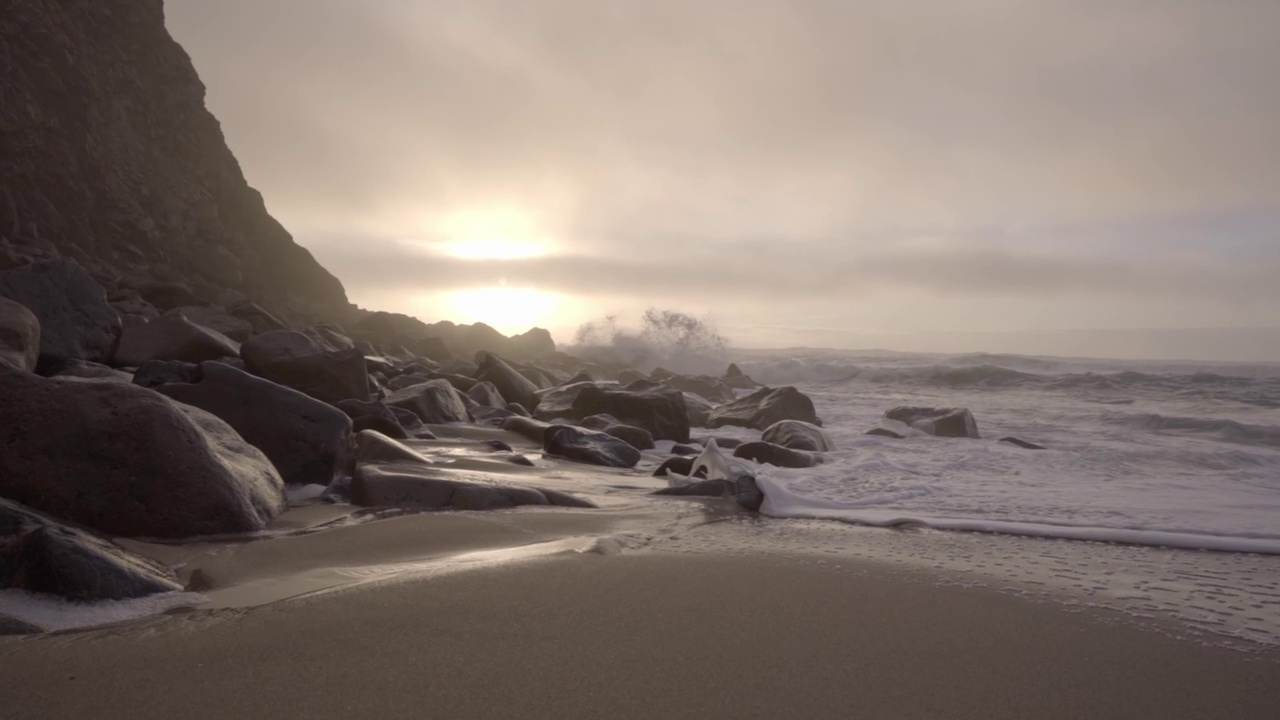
[
  {"x": 708, "y": 387},
  {"x": 765, "y": 407},
  {"x": 154, "y": 373},
  {"x": 765, "y": 452},
  {"x": 582, "y": 445},
  {"x": 513, "y": 386},
  {"x": 941, "y": 422},
  {"x": 599, "y": 421},
  {"x": 258, "y": 318},
  {"x": 75, "y": 319},
  {"x": 1021, "y": 443},
  {"x": 657, "y": 408},
  {"x": 172, "y": 337},
  {"x": 682, "y": 449},
  {"x": 518, "y": 409},
  {"x": 129, "y": 461},
  {"x": 460, "y": 382},
  {"x": 39, "y": 554},
  {"x": 308, "y": 441},
  {"x": 401, "y": 382},
  {"x": 216, "y": 318},
  {"x": 738, "y": 380},
  {"x": 375, "y": 415},
  {"x": 424, "y": 487},
  {"x": 528, "y": 427},
  {"x": 698, "y": 409},
  {"x": 166, "y": 295},
  {"x": 638, "y": 438},
  {"x": 797, "y": 435},
  {"x": 378, "y": 423},
  {"x": 884, "y": 432},
  {"x": 744, "y": 491},
  {"x": 486, "y": 393},
  {"x": 538, "y": 377},
  {"x": 435, "y": 402},
  {"x": 291, "y": 358},
  {"x": 19, "y": 336},
  {"x": 74, "y": 368},
  {"x": 373, "y": 447},
  {"x": 679, "y": 465}
]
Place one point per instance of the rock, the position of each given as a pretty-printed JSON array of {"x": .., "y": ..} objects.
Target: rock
[
  {"x": 763, "y": 408},
  {"x": 308, "y": 441},
  {"x": 513, "y": 386},
  {"x": 698, "y": 409},
  {"x": 657, "y": 408},
  {"x": 291, "y": 358},
  {"x": 374, "y": 447},
  {"x": 638, "y": 438},
  {"x": 377, "y": 423},
  {"x": 424, "y": 487},
  {"x": 518, "y": 409},
  {"x": 680, "y": 465},
  {"x": 130, "y": 304},
  {"x": 885, "y": 432},
  {"x": 942, "y": 422},
  {"x": 540, "y": 379},
  {"x": 435, "y": 402},
  {"x": 411, "y": 423},
  {"x": 14, "y": 626},
  {"x": 74, "y": 368},
  {"x": 797, "y": 435},
  {"x": 486, "y": 394},
  {"x": 765, "y": 452},
  {"x": 585, "y": 446},
  {"x": 528, "y": 427},
  {"x": 128, "y": 461},
  {"x": 723, "y": 478},
  {"x": 40, "y": 554},
  {"x": 582, "y": 376},
  {"x": 258, "y": 318},
  {"x": 216, "y": 318},
  {"x": 172, "y": 337},
  {"x": 330, "y": 338},
  {"x": 682, "y": 449},
  {"x": 724, "y": 443},
  {"x": 628, "y": 376},
  {"x": 599, "y": 421},
  {"x": 19, "y": 336},
  {"x": 155, "y": 373},
  {"x": 376, "y": 416},
  {"x": 461, "y": 383},
  {"x": 738, "y": 380},
  {"x": 708, "y": 387},
  {"x": 401, "y": 382},
  {"x": 165, "y": 296},
  {"x": 1021, "y": 443},
  {"x": 71, "y": 307}
]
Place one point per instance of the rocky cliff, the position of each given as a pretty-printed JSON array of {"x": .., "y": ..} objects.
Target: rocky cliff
[{"x": 109, "y": 157}]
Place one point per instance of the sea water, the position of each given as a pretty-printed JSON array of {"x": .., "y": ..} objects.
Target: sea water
[{"x": 1163, "y": 454}]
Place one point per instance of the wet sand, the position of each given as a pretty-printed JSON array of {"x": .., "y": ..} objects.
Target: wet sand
[{"x": 638, "y": 635}]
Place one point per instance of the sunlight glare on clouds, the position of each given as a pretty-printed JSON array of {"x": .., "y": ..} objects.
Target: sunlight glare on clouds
[
  {"x": 500, "y": 233},
  {"x": 508, "y": 310}
]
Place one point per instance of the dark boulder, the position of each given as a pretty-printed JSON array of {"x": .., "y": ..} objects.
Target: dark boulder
[
  {"x": 129, "y": 461},
  {"x": 308, "y": 441},
  {"x": 291, "y": 358},
  {"x": 405, "y": 380},
  {"x": 166, "y": 295},
  {"x": 258, "y": 317},
  {"x": 172, "y": 337},
  {"x": 698, "y": 409},
  {"x": 461, "y": 383},
  {"x": 388, "y": 427},
  {"x": 638, "y": 438},
  {"x": 75, "y": 319},
  {"x": 73, "y": 368},
  {"x": 679, "y": 465},
  {"x": 19, "y": 336},
  {"x": 724, "y": 443},
  {"x": 517, "y": 409},
  {"x": 154, "y": 373},
  {"x": 1021, "y": 443},
  {"x": 599, "y": 421},
  {"x": 513, "y": 386},
  {"x": 764, "y": 452},
  {"x": 585, "y": 446},
  {"x": 885, "y": 432},
  {"x": 765, "y": 407},
  {"x": 659, "y": 409},
  {"x": 797, "y": 435},
  {"x": 424, "y": 487},
  {"x": 40, "y": 554},
  {"x": 682, "y": 449},
  {"x": 373, "y": 447},
  {"x": 941, "y": 422},
  {"x": 528, "y": 427},
  {"x": 486, "y": 393},
  {"x": 435, "y": 402},
  {"x": 375, "y": 415},
  {"x": 707, "y": 387},
  {"x": 738, "y": 380},
  {"x": 216, "y": 318}
]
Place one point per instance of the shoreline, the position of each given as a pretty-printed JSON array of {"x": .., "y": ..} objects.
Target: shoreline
[{"x": 657, "y": 633}]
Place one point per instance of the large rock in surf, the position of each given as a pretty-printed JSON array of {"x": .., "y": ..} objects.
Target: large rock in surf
[
  {"x": 660, "y": 409},
  {"x": 19, "y": 336},
  {"x": 708, "y": 387},
  {"x": 638, "y": 438},
  {"x": 765, "y": 407},
  {"x": 308, "y": 441},
  {"x": 75, "y": 319},
  {"x": 766, "y": 452},
  {"x": 698, "y": 409},
  {"x": 291, "y": 358},
  {"x": 511, "y": 384},
  {"x": 435, "y": 402},
  {"x": 797, "y": 435},
  {"x": 40, "y": 554},
  {"x": 721, "y": 478},
  {"x": 582, "y": 445},
  {"x": 129, "y": 461},
  {"x": 172, "y": 337},
  {"x": 738, "y": 380},
  {"x": 942, "y": 422}
]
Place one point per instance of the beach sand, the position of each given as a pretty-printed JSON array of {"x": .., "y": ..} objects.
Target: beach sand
[{"x": 638, "y": 635}]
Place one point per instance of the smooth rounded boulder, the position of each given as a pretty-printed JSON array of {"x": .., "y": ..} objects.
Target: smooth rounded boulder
[
  {"x": 129, "y": 461},
  {"x": 797, "y": 435},
  {"x": 765, "y": 407},
  {"x": 308, "y": 441},
  {"x": 435, "y": 402},
  {"x": 424, "y": 487},
  {"x": 582, "y": 445},
  {"x": 75, "y": 319},
  {"x": 172, "y": 337},
  {"x": 19, "y": 336},
  {"x": 292, "y": 359},
  {"x": 940, "y": 422},
  {"x": 513, "y": 386}
]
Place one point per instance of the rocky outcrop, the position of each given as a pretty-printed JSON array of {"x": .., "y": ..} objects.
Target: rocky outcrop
[
  {"x": 657, "y": 408},
  {"x": 19, "y": 336},
  {"x": 765, "y": 407},
  {"x": 128, "y": 461},
  {"x": 76, "y": 322},
  {"x": 40, "y": 554},
  {"x": 942, "y": 422},
  {"x": 308, "y": 441},
  {"x": 110, "y": 157},
  {"x": 797, "y": 435}
]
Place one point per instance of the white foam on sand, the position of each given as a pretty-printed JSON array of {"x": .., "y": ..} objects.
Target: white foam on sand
[{"x": 50, "y": 612}]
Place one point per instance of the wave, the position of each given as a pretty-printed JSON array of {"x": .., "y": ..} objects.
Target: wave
[
  {"x": 780, "y": 502},
  {"x": 1224, "y": 430}
]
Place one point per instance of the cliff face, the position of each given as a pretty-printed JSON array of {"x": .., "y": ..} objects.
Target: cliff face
[{"x": 108, "y": 156}]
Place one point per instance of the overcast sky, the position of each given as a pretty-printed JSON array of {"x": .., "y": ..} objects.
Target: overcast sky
[{"x": 926, "y": 174}]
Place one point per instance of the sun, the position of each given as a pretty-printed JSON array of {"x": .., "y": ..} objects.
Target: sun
[{"x": 508, "y": 310}]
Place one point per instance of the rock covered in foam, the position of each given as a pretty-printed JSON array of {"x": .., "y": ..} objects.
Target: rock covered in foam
[
  {"x": 721, "y": 478},
  {"x": 797, "y": 435},
  {"x": 129, "y": 461},
  {"x": 941, "y": 422}
]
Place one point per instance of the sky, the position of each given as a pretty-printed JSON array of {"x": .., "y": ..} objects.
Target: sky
[{"x": 1075, "y": 177}]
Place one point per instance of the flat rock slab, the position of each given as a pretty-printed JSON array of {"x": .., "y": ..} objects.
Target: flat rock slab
[
  {"x": 423, "y": 487},
  {"x": 172, "y": 337}
]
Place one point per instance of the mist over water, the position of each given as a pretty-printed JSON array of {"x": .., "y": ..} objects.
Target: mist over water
[{"x": 671, "y": 339}]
